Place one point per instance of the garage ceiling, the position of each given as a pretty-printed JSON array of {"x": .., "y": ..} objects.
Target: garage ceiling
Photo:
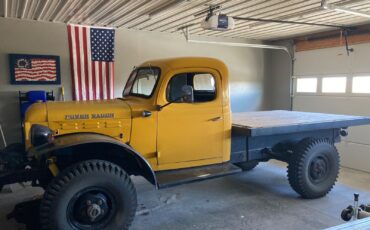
[{"x": 169, "y": 15}]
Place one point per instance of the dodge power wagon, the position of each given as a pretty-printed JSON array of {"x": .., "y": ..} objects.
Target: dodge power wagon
[{"x": 173, "y": 125}]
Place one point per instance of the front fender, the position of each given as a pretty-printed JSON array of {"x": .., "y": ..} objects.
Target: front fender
[{"x": 85, "y": 139}]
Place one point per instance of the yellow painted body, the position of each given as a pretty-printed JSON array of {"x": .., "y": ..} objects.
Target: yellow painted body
[{"x": 181, "y": 135}]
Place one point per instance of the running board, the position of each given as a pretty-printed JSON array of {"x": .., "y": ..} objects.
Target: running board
[{"x": 172, "y": 178}]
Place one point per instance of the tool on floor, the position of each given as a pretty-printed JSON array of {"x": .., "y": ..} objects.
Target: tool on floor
[{"x": 356, "y": 211}]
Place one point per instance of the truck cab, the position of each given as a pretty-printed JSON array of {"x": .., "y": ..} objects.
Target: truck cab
[{"x": 174, "y": 134}]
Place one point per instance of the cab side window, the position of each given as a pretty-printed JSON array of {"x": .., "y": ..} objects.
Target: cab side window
[{"x": 204, "y": 86}]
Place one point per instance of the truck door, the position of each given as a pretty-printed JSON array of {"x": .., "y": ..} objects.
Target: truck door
[{"x": 191, "y": 133}]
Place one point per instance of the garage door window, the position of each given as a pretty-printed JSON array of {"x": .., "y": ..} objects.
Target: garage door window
[
  {"x": 202, "y": 83},
  {"x": 334, "y": 84},
  {"x": 361, "y": 84},
  {"x": 306, "y": 85}
]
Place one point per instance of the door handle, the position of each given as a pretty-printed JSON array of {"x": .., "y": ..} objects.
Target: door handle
[
  {"x": 146, "y": 113},
  {"x": 216, "y": 119}
]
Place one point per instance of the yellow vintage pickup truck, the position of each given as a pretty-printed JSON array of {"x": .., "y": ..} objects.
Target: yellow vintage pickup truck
[{"x": 172, "y": 125}]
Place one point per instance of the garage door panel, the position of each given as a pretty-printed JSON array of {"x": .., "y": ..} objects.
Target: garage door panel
[
  {"x": 320, "y": 104},
  {"x": 356, "y": 156},
  {"x": 359, "y": 134},
  {"x": 357, "y": 105}
]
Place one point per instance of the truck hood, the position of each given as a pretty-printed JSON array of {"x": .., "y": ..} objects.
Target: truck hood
[{"x": 78, "y": 110}]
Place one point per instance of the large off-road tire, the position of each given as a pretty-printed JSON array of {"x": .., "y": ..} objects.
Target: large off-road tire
[
  {"x": 313, "y": 167},
  {"x": 93, "y": 194},
  {"x": 247, "y": 166}
]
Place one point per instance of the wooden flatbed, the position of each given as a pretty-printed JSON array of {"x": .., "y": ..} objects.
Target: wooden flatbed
[{"x": 282, "y": 122}]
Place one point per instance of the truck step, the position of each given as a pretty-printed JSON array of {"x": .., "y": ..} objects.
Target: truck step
[{"x": 183, "y": 176}]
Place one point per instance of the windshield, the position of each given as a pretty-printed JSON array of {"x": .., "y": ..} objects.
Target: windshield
[{"x": 142, "y": 82}]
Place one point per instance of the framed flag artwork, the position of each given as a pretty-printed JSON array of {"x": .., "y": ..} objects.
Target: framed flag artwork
[{"x": 28, "y": 69}]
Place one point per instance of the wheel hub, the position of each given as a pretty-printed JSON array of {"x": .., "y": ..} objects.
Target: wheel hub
[
  {"x": 90, "y": 208},
  {"x": 318, "y": 169},
  {"x": 93, "y": 211}
]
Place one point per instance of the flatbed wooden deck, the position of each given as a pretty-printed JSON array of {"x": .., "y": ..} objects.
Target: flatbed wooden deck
[{"x": 281, "y": 122}]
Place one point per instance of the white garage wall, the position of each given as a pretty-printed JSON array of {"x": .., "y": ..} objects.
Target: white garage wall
[
  {"x": 132, "y": 47},
  {"x": 355, "y": 149}
]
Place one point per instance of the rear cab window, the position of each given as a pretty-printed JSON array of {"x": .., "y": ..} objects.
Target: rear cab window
[{"x": 204, "y": 86}]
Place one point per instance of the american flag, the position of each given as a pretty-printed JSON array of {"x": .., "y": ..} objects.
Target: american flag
[
  {"x": 92, "y": 62},
  {"x": 35, "y": 69}
]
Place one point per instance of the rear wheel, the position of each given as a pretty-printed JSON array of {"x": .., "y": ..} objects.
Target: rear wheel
[
  {"x": 247, "y": 166},
  {"x": 313, "y": 168},
  {"x": 93, "y": 194}
]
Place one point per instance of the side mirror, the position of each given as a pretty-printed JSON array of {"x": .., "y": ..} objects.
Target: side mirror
[{"x": 187, "y": 94}]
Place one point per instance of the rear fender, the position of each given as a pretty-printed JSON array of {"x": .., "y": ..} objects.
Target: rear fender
[{"x": 83, "y": 146}]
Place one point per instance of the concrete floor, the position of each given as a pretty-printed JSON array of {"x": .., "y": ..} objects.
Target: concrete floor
[{"x": 260, "y": 199}]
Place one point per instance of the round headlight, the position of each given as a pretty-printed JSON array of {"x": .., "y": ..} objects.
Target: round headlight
[{"x": 40, "y": 135}]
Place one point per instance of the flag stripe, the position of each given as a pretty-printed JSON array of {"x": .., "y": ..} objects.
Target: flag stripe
[
  {"x": 42, "y": 64},
  {"x": 104, "y": 80},
  {"x": 37, "y": 68},
  {"x": 41, "y": 78},
  {"x": 86, "y": 71},
  {"x": 75, "y": 68},
  {"x": 69, "y": 28},
  {"x": 78, "y": 60},
  {"x": 108, "y": 80},
  {"x": 35, "y": 72},
  {"x": 42, "y": 60},
  {"x": 96, "y": 64},
  {"x": 36, "y": 77},
  {"x": 93, "y": 80},
  {"x": 111, "y": 67},
  {"x": 100, "y": 80},
  {"x": 89, "y": 66},
  {"x": 82, "y": 64}
]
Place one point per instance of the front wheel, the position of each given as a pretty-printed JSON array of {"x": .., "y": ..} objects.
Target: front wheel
[
  {"x": 313, "y": 168},
  {"x": 92, "y": 194}
]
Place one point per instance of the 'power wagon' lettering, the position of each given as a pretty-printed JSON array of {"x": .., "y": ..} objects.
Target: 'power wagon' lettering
[
  {"x": 103, "y": 115},
  {"x": 87, "y": 116},
  {"x": 76, "y": 116}
]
